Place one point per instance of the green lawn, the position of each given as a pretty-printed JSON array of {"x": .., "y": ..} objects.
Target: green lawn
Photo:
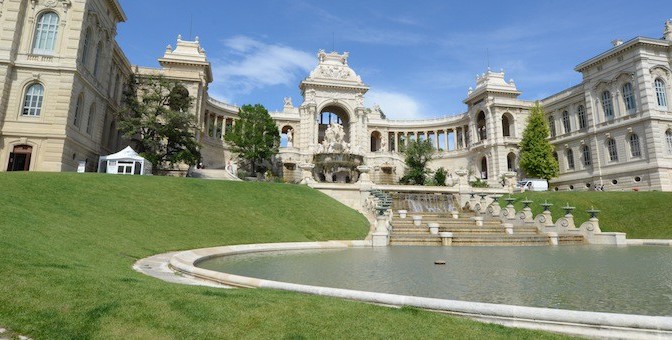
[
  {"x": 639, "y": 214},
  {"x": 67, "y": 243}
]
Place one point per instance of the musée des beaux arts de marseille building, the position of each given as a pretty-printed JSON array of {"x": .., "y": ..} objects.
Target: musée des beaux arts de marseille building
[{"x": 62, "y": 75}]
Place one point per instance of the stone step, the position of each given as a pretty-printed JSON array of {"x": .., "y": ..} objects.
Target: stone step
[{"x": 571, "y": 239}]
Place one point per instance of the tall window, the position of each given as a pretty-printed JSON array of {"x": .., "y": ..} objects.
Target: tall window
[
  {"x": 506, "y": 129},
  {"x": 551, "y": 126},
  {"x": 635, "y": 149},
  {"x": 481, "y": 126},
  {"x": 668, "y": 139},
  {"x": 611, "y": 148},
  {"x": 91, "y": 118},
  {"x": 78, "y": 110},
  {"x": 85, "y": 48},
  {"x": 45, "y": 33},
  {"x": 587, "y": 158},
  {"x": 565, "y": 122},
  {"x": 32, "y": 102},
  {"x": 570, "y": 159},
  {"x": 607, "y": 105},
  {"x": 660, "y": 92},
  {"x": 96, "y": 62},
  {"x": 581, "y": 114},
  {"x": 629, "y": 98}
]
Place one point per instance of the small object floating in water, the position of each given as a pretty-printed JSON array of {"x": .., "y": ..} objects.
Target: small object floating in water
[{"x": 439, "y": 262}]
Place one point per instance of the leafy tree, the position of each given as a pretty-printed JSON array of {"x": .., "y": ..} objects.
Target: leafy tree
[
  {"x": 254, "y": 137},
  {"x": 156, "y": 119},
  {"x": 418, "y": 154},
  {"x": 440, "y": 176},
  {"x": 536, "y": 152}
]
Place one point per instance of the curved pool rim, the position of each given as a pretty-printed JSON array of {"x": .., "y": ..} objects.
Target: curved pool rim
[{"x": 556, "y": 320}]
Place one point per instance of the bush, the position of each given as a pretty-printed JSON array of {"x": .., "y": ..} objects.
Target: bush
[{"x": 440, "y": 176}]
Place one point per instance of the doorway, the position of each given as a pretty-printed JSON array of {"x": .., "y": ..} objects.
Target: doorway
[{"x": 19, "y": 158}]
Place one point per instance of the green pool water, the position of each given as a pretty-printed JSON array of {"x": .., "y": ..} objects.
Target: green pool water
[{"x": 632, "y": 280}]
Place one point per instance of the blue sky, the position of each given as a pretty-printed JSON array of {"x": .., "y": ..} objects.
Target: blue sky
[{"x": 418, "y": 57}]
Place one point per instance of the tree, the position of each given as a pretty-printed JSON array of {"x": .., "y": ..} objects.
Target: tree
[
  {"x": 254, "y": 136},
  {"x": 156, "y": 119},
  {"x": 418, "y": 154},
  {"x": 440, "y": 176},
  {"x": 536, "y": 151}
]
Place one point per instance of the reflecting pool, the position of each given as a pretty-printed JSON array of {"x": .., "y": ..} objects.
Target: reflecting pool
[{"x": 632, "y": 280}]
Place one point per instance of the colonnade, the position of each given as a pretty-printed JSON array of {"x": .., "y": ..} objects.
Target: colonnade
[{"x": 453, "y": 138}]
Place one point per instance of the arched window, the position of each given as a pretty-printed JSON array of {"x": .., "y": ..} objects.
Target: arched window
[
  {"x": 581, "y": 114},
  {"x": 45, "y": 33},
  {"x": 668, "y": 139},
  {"x": 484, "y": 168},
  {"x": 555, "y": 156},
  {"x": 90, "y": 119},
  {"x": 87, "y": 44},
  {"x": 587, "y": 158},
  {"x": 551, "y": 126},
  {"x": 506, "y": 125},
  {"x": 607, "y": 105},
  {"x": 635, "y": 149},
  {"x": 376, "y": 140},
  {"x": 511, "y": 161},
  {"x": 78, "y": 110},
  {"x": 32, "y": 102},
  {"x": 611, "y": 148},
  {"x": 570, "y": 159},
  {"x": 96, "y": 62},
  {"x": 629, "y": 98},
  {"x": 565, "y": 122},
  {"x": 481, "y": 126},
  {"x": 660, "y": 92}
]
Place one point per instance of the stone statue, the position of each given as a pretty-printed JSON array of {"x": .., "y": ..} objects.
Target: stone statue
[
  {"x": 288, "y": 102},
  {"x": 290, "y": 135},
  {"x": 383, "y": 145},
  {"x": 667, "y": 34}
]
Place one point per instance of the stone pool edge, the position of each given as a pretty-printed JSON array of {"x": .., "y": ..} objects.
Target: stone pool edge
[{"x": 555, "y": 320}]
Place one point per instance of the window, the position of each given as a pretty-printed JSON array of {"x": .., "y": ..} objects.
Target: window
[
  {"x": 85, "y": 48},
  {"x": 581, "y": 114},
  {"x": 551, "y": 126},
  {"x": 635, "y": 149},
  {"x": 629, "y": 98},
  {"x": 587, "y": 159},
  {"x": 32, "y": 102},
  {"x": 506, "y": 129},
  {"x": 565, "y": 122},
  {"x": 78, "y": 110},
  {"x": 91, "y": 118},
  {"x": 570, "y": 159},
  {"x": 611, "y": 148},
  {"x": 607, "y": 105},
  {"x": 45, "y": 33},
  {"x": 481, "y": 126},
  {"x": 96, "y": 62},
  {"x": 668, "y": 139},
  {"x": 660, "y": 92}
]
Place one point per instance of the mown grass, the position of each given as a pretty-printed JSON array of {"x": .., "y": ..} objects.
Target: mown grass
[
  {"x": 639, "y": 214},
  {"x": 68, "y": 241}
]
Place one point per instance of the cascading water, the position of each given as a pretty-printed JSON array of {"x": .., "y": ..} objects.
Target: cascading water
[{"x": 413, "y": 202}]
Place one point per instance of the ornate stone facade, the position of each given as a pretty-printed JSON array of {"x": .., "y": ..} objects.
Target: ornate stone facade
[{"x": 612, "y": 130}]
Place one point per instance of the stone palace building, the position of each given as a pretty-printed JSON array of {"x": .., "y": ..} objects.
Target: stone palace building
[{"x": 62, "y": 75}]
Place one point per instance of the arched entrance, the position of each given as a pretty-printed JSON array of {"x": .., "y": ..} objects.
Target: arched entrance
[
  {"x": 484, "y": 168},
  {"x": 19, "y": 158},
  {"x": 333, "y": 115},
  {"x": 376, "y": 139}
]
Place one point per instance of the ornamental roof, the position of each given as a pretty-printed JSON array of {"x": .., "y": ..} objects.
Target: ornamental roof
[{"x": 333, "y": 70}]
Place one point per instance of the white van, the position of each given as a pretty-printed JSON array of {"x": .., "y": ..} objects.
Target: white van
[{"x": 533, "y": 184}]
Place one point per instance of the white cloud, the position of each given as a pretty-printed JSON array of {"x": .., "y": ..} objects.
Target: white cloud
[
  {"x": 395, "y": 105},
  {"x": 250, "y": 64}
]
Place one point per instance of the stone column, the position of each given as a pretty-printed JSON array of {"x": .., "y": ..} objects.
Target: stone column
[{"x": 454, "y": 139}]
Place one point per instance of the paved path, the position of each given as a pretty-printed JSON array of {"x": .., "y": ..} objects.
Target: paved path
[{"x": 157, "y": 266}]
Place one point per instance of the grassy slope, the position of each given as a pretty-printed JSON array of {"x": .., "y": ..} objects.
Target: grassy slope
[
  {"x": 67, "y": 243},
  {"x": 639, "y": 214}
]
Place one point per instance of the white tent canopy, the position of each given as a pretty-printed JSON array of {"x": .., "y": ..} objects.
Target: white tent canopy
[{"x": 126, "y": 162}]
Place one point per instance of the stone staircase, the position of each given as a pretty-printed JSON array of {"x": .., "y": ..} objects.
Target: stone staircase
[
  {"x": 466, "y": 232},
  {"x": 220, "y": 174}
]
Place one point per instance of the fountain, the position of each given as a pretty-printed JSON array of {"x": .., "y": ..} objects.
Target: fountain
[{"x": 334, "y": 161}]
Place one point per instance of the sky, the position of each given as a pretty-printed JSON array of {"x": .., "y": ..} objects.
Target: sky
[{"x": 418, "y": 57}]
